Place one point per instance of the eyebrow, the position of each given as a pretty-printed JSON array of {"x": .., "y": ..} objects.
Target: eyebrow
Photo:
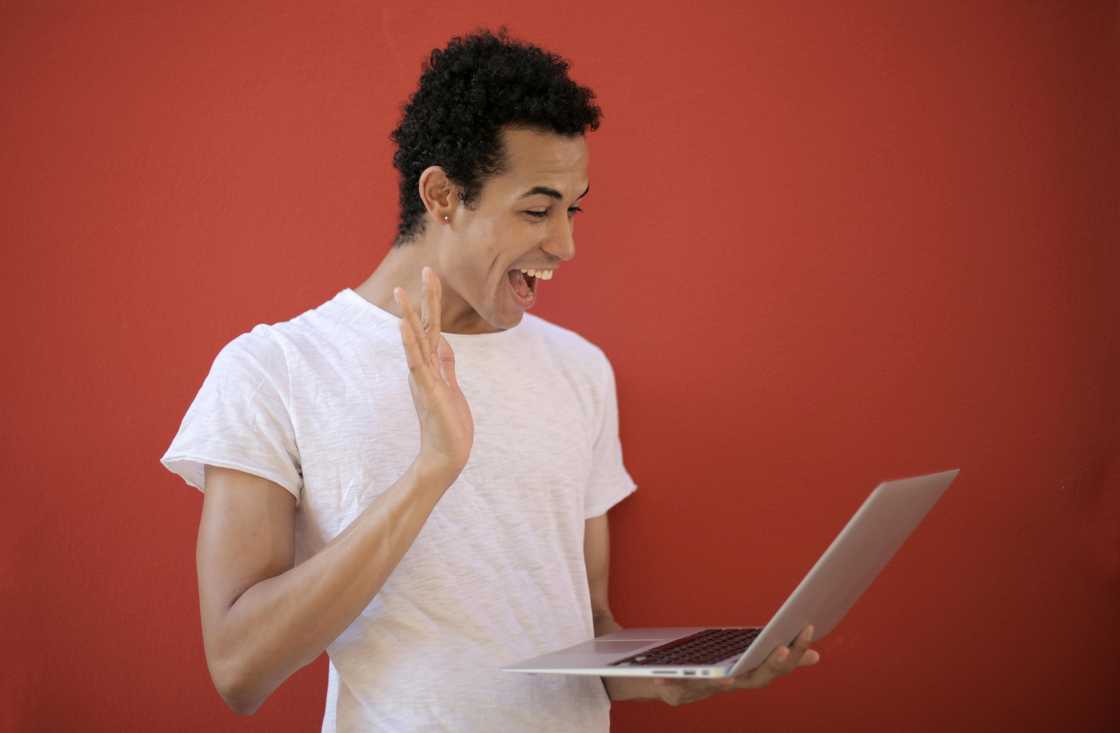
[{"x": 551, "y": 192}]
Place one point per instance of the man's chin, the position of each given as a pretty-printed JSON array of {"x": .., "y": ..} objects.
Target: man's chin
[
  {"x": 516, "y": 319},
  {"x": 497, "y": 320}
]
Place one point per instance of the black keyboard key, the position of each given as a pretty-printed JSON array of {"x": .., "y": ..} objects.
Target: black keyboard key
[{"x": 704, "y": 647}]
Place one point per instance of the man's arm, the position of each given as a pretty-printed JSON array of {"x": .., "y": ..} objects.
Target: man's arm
[
  {"x": 597, "y": 555},
  {"x": 263, "y": 617}
]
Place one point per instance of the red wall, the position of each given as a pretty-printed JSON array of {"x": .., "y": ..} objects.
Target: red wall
[{"x": 825, "y": 247}]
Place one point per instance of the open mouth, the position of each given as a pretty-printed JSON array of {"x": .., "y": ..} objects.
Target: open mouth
[{"x": 524, "y": 286}]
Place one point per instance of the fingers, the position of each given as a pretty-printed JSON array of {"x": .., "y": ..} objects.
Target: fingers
[
  {"x": 431, "y": 290},
  {"x": 433, "y": 297},
  {"x": 446, "y": 358},
  {"x": 781, "y": 661},
  {"x": 412, "y": 354},
  {"x": 429, "y": 312},
  {"x": 800, "y": 646},
  {"x": 802, "y": 655},
  {"x": 765, "y": 673},
  {"x": 785, "y": 659},
  {"x": 415, "y": 343},
  {"x": 410, "y": 315},
  {"x": 778, "y": 663},
  {"x": 422, "y": 333},
  {"x": 425, "y": 309}
]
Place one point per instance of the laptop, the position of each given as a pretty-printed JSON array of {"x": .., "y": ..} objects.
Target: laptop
[{"x": 854, "y": 559}]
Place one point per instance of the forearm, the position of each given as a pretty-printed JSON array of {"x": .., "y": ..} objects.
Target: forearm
[
  {"x": 280, "y": 625},
  {"x": 622, "y": 688}
]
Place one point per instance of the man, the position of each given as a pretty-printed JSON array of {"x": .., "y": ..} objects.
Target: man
[{"x": 415, "y": 476}]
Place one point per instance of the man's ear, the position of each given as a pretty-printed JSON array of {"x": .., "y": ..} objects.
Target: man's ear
[{"x": 437, "y": 192}]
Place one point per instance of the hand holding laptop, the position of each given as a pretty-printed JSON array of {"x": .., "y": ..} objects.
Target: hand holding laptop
[
  {"x": 753, "y": 656},
  {"x": 783, "y": 660}
]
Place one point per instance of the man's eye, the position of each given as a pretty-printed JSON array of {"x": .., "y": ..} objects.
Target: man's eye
[{"x": 542, "y": 214}]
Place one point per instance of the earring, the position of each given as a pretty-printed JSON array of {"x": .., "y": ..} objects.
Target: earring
[{"x": 446, "y": 219}]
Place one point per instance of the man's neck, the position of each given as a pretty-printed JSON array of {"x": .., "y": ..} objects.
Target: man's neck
[{"x": 401, "y": 267}]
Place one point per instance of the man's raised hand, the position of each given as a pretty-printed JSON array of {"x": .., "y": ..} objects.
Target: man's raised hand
[{"x": 446, "y": 424}]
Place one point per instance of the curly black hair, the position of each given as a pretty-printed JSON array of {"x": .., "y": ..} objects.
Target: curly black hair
[{"x": 467, "y": 93}]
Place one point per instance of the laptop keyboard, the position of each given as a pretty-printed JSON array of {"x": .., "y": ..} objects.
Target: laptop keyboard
[{"x": 704, "y": 647}]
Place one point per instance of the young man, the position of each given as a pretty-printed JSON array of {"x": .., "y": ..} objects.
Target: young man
[{"x": 414, "y": 476}]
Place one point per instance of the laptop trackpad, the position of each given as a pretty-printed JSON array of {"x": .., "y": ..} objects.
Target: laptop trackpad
[{"x": 592, "y": 653}]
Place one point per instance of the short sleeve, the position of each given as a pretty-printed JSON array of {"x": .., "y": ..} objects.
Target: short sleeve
[
  {"x": 240, "y": 418},
  {"x": 609, "y": 482}
]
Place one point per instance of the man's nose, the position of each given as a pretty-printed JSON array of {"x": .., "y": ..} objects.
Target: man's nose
[{"x": 561, "y": 241}]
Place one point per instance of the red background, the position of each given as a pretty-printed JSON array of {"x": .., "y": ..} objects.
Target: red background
[{"x": 825, "y": 246}]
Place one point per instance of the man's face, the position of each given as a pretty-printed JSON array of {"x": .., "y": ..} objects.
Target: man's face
[{"x": 513, "y": 228}]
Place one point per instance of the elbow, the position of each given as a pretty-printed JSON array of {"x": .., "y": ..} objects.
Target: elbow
[
  {"x": 237, "y": 700},
  {"x": 242, "y": 708},
  {"x": 242, "y": 683},
  {"x": 233, "y": 690}
]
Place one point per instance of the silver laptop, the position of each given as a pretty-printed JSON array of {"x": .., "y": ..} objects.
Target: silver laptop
[{"x": 838, "y": 578}]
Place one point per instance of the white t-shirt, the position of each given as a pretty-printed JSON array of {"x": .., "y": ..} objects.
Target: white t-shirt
[{"x": 320, "y": 404}]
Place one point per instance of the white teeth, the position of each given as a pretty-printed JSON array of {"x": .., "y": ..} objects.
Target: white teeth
[{"x": 541, "y": 274}]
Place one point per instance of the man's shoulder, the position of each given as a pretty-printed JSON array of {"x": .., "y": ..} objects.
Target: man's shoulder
[
  {"x": 269, "y": 342},
  {"x": 252, "y": 353},
  {"x": 329, "y": 321}
]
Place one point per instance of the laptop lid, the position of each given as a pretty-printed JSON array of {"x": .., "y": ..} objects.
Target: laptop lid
[
  {"x": 888, "y": 515},
  {"x": 855, "y": 558}
]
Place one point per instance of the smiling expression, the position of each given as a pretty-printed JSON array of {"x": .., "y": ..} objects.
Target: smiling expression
[{"x": 525, "y": 219}]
